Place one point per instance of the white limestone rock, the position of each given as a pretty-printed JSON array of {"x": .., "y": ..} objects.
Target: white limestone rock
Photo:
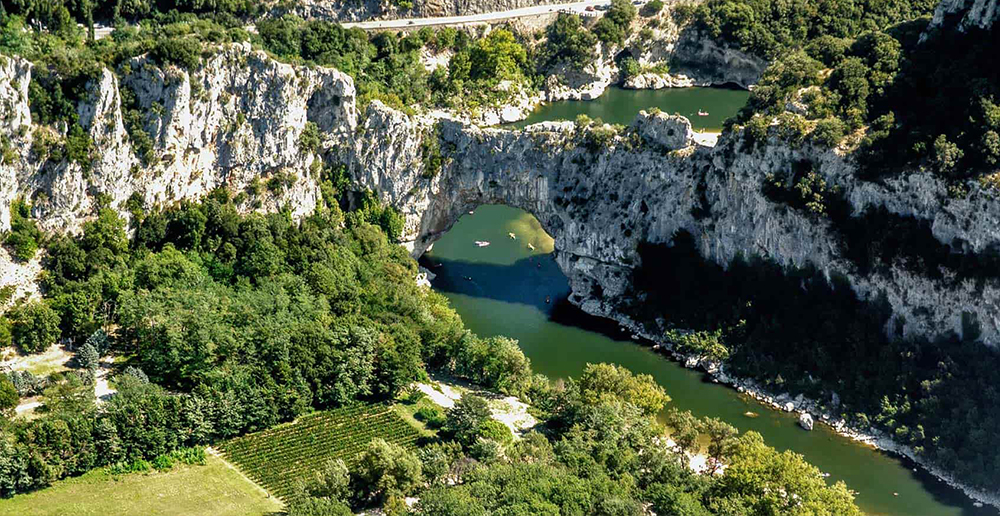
[
  {"x": 667, "y": 132},
  {"x": 806, "y": 421}
]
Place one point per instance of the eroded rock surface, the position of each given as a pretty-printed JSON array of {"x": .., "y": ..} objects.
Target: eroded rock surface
[
  {"x": 234, "y": 122},
  {"x": 600, "y": 204},
  {"x": 966, "y": 13}
]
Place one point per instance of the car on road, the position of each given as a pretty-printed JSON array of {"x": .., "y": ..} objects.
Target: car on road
[{"x": 589, "y": 9}]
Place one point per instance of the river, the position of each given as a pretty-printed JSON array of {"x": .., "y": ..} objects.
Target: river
[
  {"x": 509, "y": 289},
  {"x": 619, "y": 106}
]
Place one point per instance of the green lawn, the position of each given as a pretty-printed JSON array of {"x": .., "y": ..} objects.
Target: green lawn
[{"x": 210, "y": 490}]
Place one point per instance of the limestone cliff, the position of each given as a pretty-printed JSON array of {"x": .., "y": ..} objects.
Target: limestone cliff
[
  {"x": 600, "y": 204},
  {"x": 669, "y": 55},
  {"x": 233, "y": 122},
  {"x": 966, "y": 13}
]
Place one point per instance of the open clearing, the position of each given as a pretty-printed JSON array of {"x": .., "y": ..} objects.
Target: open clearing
[
  {"x": 279, "y": 458},
  {"x": 213, "y": 489},
  {"x": 53, "y": 360},
  {"x": 508, "y": 410}
]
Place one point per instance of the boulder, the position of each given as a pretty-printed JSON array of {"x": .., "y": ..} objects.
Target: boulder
[
  {"x": 806, "y": 421},
  {"x": 658, "y": 129}
]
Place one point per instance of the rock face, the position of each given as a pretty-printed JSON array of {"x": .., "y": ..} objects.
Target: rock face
[
  {"x": 701, "y": 58},
  {"x": 600, "y": 204},
  {"x": 683, "y": 55},
  {"x": 237, "y": 121},
  {"x": 966, "y": 14},
  {"x": 667, "y": 132},
  {"x": 234, "y": 122}
]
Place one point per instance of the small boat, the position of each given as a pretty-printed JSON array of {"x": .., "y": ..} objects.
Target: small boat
[
  {"x": 512, "y": 236},
  {"x": 482, "y": 243},
  {"x": 547, "y": 299},
  {"x": 702, "y": 113},
  {"x": 750, "y": 414},
  {"x": 471, "y": 212},
  {"x": 531, "y": 246}
]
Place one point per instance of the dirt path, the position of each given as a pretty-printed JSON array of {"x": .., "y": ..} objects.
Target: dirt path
[{"x": 102, "y": 389}]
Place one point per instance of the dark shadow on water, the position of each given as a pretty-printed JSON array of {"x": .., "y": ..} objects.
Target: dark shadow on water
[
  {"x": 942, "y": 492},
  {"x": 535, "y": 281}
]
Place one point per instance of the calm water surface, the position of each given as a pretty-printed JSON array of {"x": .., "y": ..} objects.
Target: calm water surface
[
  {"x": 619, "y": 106},
  {"x": 503, "y": 289}
]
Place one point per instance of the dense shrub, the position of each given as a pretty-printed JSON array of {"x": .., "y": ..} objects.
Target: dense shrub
[
  {"x": 24, "y": 236},
  {"x": 616, "y": 23},
  {"x": 35, "y": 326},
  {"x": 567, "y": 41}
]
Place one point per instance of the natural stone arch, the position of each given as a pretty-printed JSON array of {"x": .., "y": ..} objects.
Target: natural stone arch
[{"x": 600, "y": 202}]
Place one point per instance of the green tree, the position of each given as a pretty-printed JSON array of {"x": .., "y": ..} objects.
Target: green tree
[
  {"x": 387, "y": 469},
  {"x": 568, "y": 41},
  {"x": 616, "y": 23},
  {"x": 35, "y": 326},
  {"x": 88, "y": 358},
  {"x": 466, "y": 417},
  {"x": 766, "y": 482},
  {"x": 685, "y": 430},
  {"x": 5, "y": 332},
  {"x": 721, "y": 439},
  {"x": 332, "y": 482},
  {"x": 8, "y": 396},
  {"x": 602, "y": 382},
  {"x": 497, "y": 57},
  {"x": 947, "y": 156}
]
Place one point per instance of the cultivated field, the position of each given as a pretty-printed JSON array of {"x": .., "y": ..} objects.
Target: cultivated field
[
  {"x": 279, "y": 458},
  {"x": 213, "y": 489}
]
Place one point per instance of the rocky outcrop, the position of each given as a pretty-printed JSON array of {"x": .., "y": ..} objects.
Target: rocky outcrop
[
  {"x": 966, "y": 14},
  {"x": 234, "y": 122},
  {"x": 663, "y": 131},
  {"x": 669, "y": 57},
  {"x": 708, "y": 62}
]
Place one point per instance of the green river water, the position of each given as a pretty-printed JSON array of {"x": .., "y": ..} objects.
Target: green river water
[
  {"x": 619, "y": 106},
  {"x": 508, "y": 289}
]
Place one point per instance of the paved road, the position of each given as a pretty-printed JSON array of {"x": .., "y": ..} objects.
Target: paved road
[{"x": 536, "y": 10}]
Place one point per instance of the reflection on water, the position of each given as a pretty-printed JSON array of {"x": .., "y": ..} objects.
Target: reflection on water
[{"x": 508, "y": 289}]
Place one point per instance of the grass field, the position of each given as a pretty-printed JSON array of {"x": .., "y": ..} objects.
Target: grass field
[
  {"x": 282, "y": 457},
  {"x": 214, "y": 489}
]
